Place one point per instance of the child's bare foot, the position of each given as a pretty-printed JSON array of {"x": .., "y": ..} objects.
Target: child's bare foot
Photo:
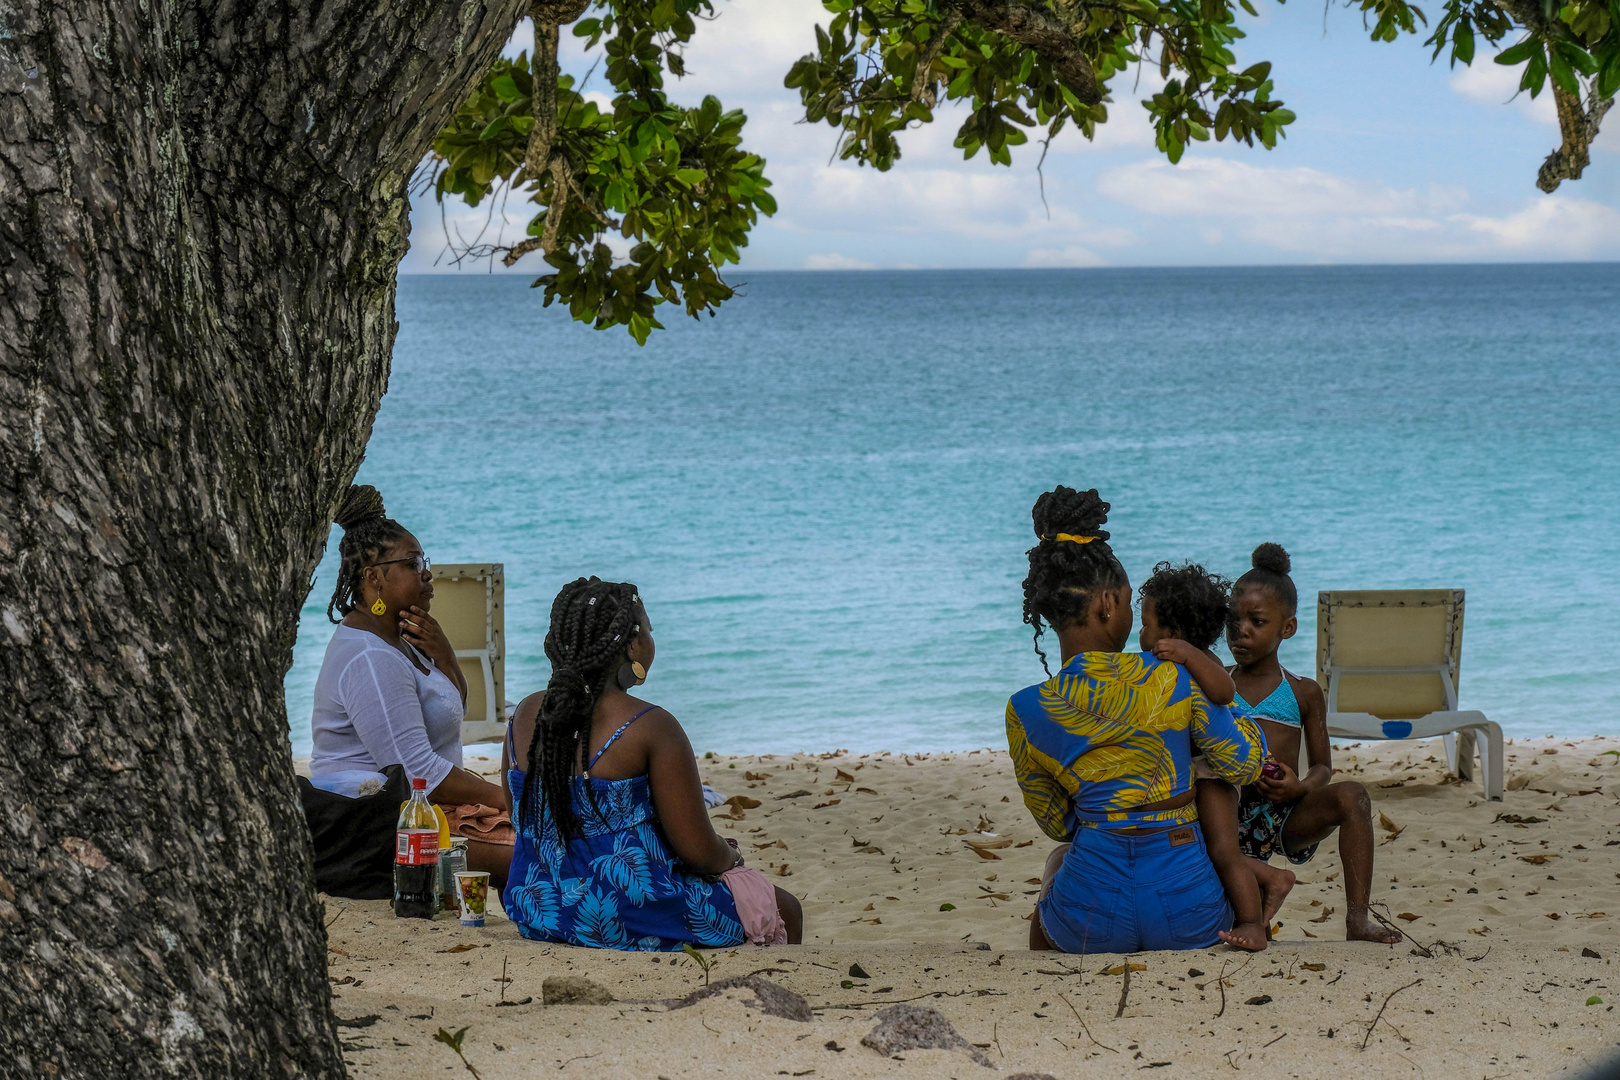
[
  {"x": 1275, "y": 885},
  {"x": 1250, "y": 936},
  {"x": 1362, "y": 928}
]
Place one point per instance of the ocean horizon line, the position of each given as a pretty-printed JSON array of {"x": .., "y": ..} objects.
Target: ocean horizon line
[{"x": 830, "y": 271}]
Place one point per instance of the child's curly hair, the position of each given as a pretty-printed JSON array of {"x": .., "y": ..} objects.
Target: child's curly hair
[{"x": 1189, "y": 602}]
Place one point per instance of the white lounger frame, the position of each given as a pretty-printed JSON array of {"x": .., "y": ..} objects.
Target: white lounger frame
[
  {"x": 1464, "y": 731},
  {"x": 476, "y": 626}
]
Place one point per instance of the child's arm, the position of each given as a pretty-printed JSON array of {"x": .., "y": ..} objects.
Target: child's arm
[
  {"x": 1202, "y": 665},
  {"x": 1313, "y": 728}
]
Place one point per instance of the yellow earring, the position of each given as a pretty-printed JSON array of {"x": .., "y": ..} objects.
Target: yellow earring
[{"x": 379, "y": 608}]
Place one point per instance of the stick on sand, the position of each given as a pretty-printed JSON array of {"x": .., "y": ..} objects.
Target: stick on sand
[{"x": 1381, "y": 1009}]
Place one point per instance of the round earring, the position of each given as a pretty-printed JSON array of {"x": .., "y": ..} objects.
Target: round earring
[
  {"x": 631, "y": 674},
  {"x": 379, "y": 608}
]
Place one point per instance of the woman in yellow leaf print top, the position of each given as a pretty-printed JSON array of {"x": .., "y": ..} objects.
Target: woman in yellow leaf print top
[{"x": 1103, "y": 752}]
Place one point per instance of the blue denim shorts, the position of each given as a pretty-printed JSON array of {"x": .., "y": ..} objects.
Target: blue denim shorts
[{"x": 1123, "y": 893}]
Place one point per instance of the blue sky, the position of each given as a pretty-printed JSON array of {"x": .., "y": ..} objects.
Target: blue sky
[{"x": 1392, "y": 160}]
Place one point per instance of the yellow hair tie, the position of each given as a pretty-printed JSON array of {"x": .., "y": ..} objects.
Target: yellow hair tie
[{"x": 1071, "y": 539}]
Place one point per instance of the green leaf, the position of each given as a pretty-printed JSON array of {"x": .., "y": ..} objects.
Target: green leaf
[
  {"x": 1535, "y": 74},
  {"x": 1608, "y": 84},
  {"x": 506, "y": 89},
  {"x": 1462, "y": 44},
  {"x": 1563, "y": 74},
  {"x": 1518, "y": 54}
]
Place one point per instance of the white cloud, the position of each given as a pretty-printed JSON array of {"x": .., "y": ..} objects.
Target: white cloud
[
  {"x": 1073, "y": 255},
  {"x": 1552, "y": 226},
  {"x": 1218, "y": 187},
  {"x": 1497, "y": 84},
  {"x": 1307, "y": 211},
  {"x": 833, "y": 261}
]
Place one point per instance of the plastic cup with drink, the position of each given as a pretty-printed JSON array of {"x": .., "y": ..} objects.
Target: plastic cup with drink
[{"x": 472, "y": 887}]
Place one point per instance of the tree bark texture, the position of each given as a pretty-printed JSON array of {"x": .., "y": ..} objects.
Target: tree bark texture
[{"x": 202, "y": 209}]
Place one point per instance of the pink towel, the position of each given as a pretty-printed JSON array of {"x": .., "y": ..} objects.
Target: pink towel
[
  {"x": 475, "y": 821},
  {"x": 756, "y": 905}
]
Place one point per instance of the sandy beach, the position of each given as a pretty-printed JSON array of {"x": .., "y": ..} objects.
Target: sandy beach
[{"x": 919, "y": 871}]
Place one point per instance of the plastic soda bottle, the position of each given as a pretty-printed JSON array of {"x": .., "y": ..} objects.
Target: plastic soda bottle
[{"x": 416, "y": 856}]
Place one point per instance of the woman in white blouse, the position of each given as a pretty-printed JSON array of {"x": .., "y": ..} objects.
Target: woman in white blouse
[{"x": 390, "y": 691}]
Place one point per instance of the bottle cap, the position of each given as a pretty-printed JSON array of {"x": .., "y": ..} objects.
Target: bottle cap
[{"x": 418, "y": 783}]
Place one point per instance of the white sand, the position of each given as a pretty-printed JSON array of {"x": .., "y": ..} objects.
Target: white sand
[{"x": 1503, "y": 994}]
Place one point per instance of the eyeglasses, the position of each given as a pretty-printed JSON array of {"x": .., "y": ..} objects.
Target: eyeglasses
[{"x": 419, "y": 563}]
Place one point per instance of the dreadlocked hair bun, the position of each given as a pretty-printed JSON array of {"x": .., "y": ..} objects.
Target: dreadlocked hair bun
[
  {"x": 1189, "y": 602},
  {"x": 1271, "y": 566},
  {"x": 1065, "y": 510},
  {"x": 1065, "y": 576},
  {"x": 593, "y": 623},
  {"x": 368, "y": 531},
  {"x": 361, "y": 503}
]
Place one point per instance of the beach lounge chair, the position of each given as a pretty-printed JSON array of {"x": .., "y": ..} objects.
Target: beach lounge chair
[
  {"x": 469, "y": 600},
  {"x": 1388, "y": 662}
]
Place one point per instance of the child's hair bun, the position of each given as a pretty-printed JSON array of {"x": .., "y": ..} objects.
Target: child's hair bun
[
  {"x": 1272, "y": 559},
  {"x": 1065, "y": 510},
  {"x": 361, "y": 503}
]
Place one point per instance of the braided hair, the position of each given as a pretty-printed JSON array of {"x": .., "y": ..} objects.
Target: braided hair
[
  {"x": 593, "y": 623},
  {"x": 1065, "y": 576},
  {"x": 368, "y": 531},
  {"x": 1271, "y": 566},
  {"x": 1189, "y": 602}
]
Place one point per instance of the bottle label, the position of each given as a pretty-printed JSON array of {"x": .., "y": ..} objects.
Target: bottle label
[{"x": 417, "y": 847}]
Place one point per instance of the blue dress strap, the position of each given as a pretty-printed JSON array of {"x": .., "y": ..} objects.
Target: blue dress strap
[{"x": 615, "y": 737}]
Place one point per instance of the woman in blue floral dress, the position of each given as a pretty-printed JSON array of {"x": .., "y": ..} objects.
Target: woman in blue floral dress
[{"x": 615, "y": 848}]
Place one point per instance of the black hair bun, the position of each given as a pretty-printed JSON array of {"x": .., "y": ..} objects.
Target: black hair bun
[
  {"x": 1065, "y": 510},
  {"x": 1272, "y": 559},
  {"x": 361, "y": 503}
]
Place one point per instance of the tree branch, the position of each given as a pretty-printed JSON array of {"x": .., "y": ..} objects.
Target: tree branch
[
  {"x": 548, "y": 16},
  {"x": 1578, "y": 127},
  {"x": 1529, "y": 14},
  {"x": 561, "y": 181},
  {"x": 1039, "y": 30},
  {"x": 922, "y": 83}
]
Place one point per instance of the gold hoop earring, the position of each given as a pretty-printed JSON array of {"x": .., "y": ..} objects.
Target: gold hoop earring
[
  {"x": 379, "y": 608},
  {"x": 631, "y": 674}
]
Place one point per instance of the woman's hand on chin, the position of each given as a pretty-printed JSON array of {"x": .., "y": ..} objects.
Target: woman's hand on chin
[{"x": 424, "y": 632}]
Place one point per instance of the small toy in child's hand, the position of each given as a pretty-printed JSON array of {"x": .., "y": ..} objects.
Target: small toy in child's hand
[{"x": 1271, "y": 771}]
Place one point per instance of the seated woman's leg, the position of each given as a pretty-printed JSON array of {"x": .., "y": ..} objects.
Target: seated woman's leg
[
  {"x": 493, "y": 859},
  {"x": 792, "y": 916},
  {"x": 1037, "y": 937},
  {"x": 1089, "y": 903}
]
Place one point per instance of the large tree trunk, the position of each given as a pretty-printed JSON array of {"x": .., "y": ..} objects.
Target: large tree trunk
[{"x": 202, "y": 208}]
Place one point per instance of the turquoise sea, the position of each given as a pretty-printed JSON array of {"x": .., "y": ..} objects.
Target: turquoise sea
[{"x": 824, "y": 492}]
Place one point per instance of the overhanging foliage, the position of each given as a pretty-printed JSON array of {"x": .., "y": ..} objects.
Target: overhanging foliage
[{"x": 676, "y": 186}]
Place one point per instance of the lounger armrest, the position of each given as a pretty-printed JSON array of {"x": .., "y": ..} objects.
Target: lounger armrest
[
  {"x": 1342, "y": 725},
  {"x": 482, "y": 731}
]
